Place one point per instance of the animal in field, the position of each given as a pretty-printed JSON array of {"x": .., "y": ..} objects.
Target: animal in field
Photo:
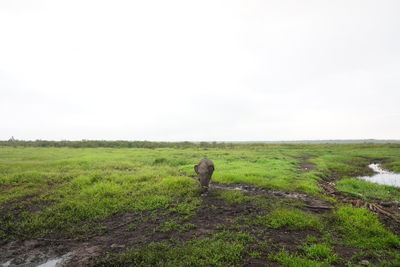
[{"x": 204, "y": 171}]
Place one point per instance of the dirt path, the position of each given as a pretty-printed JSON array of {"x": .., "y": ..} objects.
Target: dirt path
[{"x": 305, "y": 165}]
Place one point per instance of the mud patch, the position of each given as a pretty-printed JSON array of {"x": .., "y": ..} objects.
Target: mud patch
[
  {"x": 312, "y": 203},
  {"x": 215, "y": 212},
  {"x": 346, "y": 253},
  {"x": 290, "y": 240},
  {"x": 29, "y": 203},
  {"x": 17, "y": 205},
  {"x": 305, "y": 165},
  {"x": 35, "y": 252}
]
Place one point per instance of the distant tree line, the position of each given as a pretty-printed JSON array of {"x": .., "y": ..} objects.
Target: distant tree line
[
  {"x": 113, "y": 144},
  {"x": 152, "y": 145}
]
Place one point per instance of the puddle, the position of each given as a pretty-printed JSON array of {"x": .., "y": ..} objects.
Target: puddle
[
  {"x": 56, "y": 262},
  {"x": 382, "y": 176},
  {"x": 50, "y": 263}
]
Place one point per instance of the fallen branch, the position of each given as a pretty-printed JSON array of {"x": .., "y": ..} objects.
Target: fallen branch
[{"x": 374, "y": 207}]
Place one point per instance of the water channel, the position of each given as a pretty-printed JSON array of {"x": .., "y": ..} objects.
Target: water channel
[{"x": 382, "y": 176}]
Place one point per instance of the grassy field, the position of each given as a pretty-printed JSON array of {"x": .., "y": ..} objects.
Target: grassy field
[{"x": 142, "y": 207}]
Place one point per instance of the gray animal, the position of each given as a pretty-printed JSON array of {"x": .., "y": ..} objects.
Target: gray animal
[{"x": 204, "y": 171}]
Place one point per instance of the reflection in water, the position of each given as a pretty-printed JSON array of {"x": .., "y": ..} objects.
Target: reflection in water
[
  {"x": 56, "y": 262},
  {"x": 382, "y": 176},
  {"x": 51, "y": 263}
]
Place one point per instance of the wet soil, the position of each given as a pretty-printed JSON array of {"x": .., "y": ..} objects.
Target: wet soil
[
  {"x": 312, "y": 203},
  {"x": 305, "y": 165},
  {"x": 213, "y": 215},
  {"x": 15, "y": 206}
]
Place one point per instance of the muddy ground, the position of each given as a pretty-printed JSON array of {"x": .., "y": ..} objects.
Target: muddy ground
[{"x": 213, "y": 215}]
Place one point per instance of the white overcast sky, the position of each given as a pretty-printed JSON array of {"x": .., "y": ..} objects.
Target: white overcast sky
[{"x": 199, "y": 70}]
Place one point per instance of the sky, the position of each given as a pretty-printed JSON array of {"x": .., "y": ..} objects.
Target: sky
[{"x": 199, "y": 70}]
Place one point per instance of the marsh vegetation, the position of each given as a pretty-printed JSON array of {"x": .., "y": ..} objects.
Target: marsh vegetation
[{"x": 142, "y": 207}]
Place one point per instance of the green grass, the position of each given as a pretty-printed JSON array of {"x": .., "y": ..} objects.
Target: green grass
[
  {"x": 219, "y": 250},
  {"x": 90, "y": 187},
  {"x": 17, "y": 192},
  {"x": 291, "y": 219},
  {"x": 368, "y": 190},
  {"x": 321, "y": 252},
  {"x": 395, "y": 262},
  {"x": 233, "y": 197},
  {"x": 361, "y": 229},
  {"x": 173, "y": 225},
  {"x": 270, "y": 203},
  {"x": 293, "y": 260}
]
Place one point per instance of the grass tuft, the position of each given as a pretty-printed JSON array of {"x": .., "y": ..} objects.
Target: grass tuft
[
  {"x": 362, "y": 229},
  {"x": 233, "y": 197},
  {"x": 321, "y": 252},
  {"x": 292, "y": 219},
  {"x": 293, "y": 260}
]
